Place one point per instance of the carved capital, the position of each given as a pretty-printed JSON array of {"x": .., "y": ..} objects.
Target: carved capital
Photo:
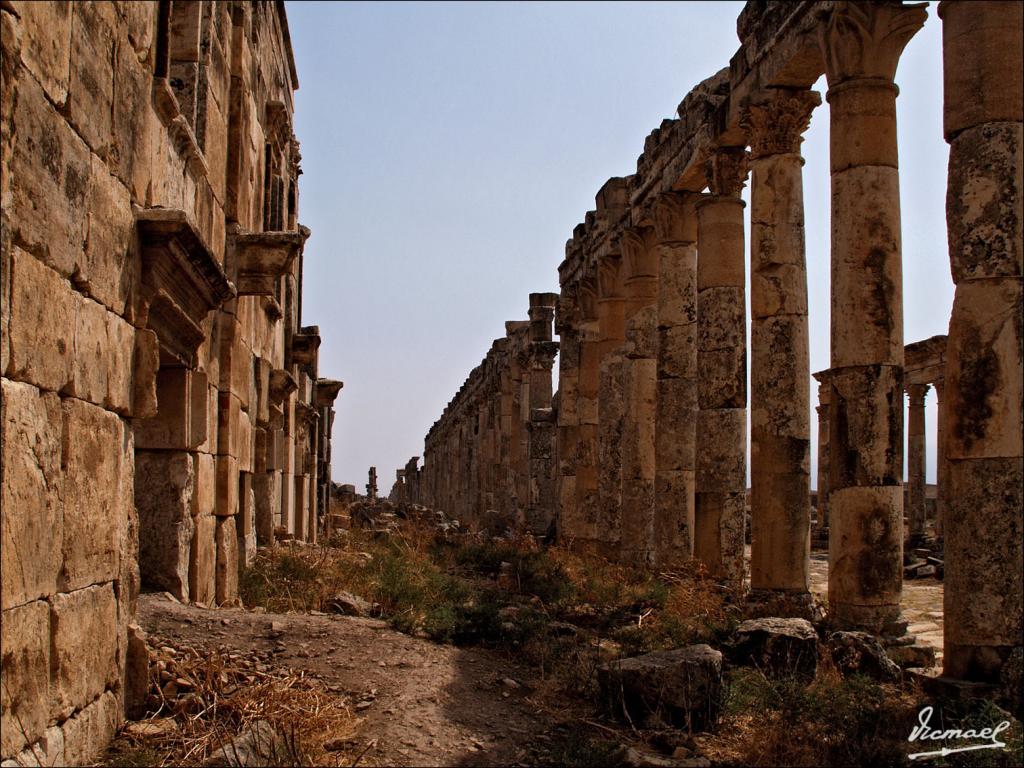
[
  {"x": 726, "y": 171},
  {"x": 263, "y": 257},
  {"x": 674, "y": 217},
  {"x": 327, "y": 392},
  {"x": 775, "y": 123},
  {"x": 610, "y": 276},
  {"x": 639, "y": 253},
  {"x": 916, "y": 394},
  {"x": 587, "y": 295},
  {"x": 865, "y": 40}
]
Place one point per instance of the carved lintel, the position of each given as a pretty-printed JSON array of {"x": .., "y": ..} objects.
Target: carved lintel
[
  {"x": 726, "y": 171},
  {"x": 263, "y": 257},
  {"x": 282, "y": 384},
  {"x": 304, "y": 347},
  {"x": 181, "y": 280},
  {"x": 865, "y": 40},
  {"x": 775, "y": 122},
  {"x": 326, "y": 392}
]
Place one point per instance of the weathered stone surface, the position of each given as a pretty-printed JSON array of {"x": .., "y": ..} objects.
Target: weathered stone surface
[
  {"x": 87, "y": 734},
  {"x": 861, "y": 653},
  {"x": 227, "y": 486},
  {"x": 46, "y": 44},
  {"x": 348, "y": 604},
  {"x": 227, "y": 560},
  {"x": 779, "y": 647},
  {"x": 865, "y": 405},
  {"x": 202, "y": 568},
  {"x": 26, "y": 673},
  {"x": 164, "y": 488},
  {"x": 32, "y": 508},
  {"x": 91, "y": 93},
  {"x": 98, "y": 471},
  {"x": 84, "y": 647},
  {"x": 258, "y": 745},
  {"x": 681, "y": 687},
  {"x": 107, "y": 271},
  {"x": 721, "y": 458},
  {"x": 145, "y": 364}
]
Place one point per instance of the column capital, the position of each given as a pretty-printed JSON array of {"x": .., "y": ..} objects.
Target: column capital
[
  {"x": 775, "y": 121},
  {"x": 640, "y": 258},
  {"x": 865, "y": 40},
  {"x": 610, "y": 277},
  {"x": 916, "y": 394},
  {"x": 674, "y": 217},
  {"x": 726, "y": 171}
]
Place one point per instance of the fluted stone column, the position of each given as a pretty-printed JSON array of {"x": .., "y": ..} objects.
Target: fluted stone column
[
  {"x": 861, "y": 44},
  {"x": 675, "y": 226},
  {"x": 941, "y": 465},
  {"x": 721, "y": 439},
  {"x": 589, "y": 380},
  {"x": 916, "y": 461},
  {"x": 640, "y": 255},
  {"x": 566, "y": 326},
  {"x": 983, "y": 389},
  {"x": 611, "y": 312},
  {"x": 824, "y": 389},
  {"x": 780, "y": 429}
]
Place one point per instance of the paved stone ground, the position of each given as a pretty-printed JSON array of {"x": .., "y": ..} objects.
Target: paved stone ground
[{"x": 922, "y": 603}]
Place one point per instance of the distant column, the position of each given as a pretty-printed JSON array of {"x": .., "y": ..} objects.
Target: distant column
[
  {"x": 916, "y": 461},
  {"x": 590, "y": 369},
  {"x": 611, "y": 312},
  {"x": 567, "y": 328},
  {"x": 824, "y": 390}
]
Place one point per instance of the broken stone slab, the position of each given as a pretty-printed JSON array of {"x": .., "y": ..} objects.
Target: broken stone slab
[
  {"x": 259, "y": 744},
  {"x": 681, "y": 687},
  {"x": 638, "y": 758},
  {"x": 915, "y": 655},
  {"x": 860, "y": 652},
  {"x": 348, "y": 604},
  {"x": 777, "y": 646}
]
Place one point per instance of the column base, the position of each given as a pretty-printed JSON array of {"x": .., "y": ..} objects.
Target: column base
[
  {"x": 761, "y": 603},
  {"x": 884, "y": 621}
]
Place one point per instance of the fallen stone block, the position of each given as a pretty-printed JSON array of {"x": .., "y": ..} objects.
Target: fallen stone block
[
  {"x": 860, "y": 652},
  {"x": 681, "y": 687},
  {"x": 779, "y": 647},
  {"x": 348, "y": 604},
  {"x": 912, "y": 655},
  {"x": 259, "y": 744}
]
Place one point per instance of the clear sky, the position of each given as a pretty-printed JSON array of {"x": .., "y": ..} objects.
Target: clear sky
[{"x": 449, "y": 149}]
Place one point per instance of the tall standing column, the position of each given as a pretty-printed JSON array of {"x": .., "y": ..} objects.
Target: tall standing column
[
  {"x": 721, "y": 439},
  {"x": 566, "y": 326},
  {"x": 590, "y": 370},
  {"x": 916, "y": 461},
  {"x": 675, "y": 226},
  {"x": 941, "y": 467},
  {"x": 780, "y": 428},
  {"x": 640, "y": 391},
  {"x": 611, "y": 312},
  {"x": 823, "y": 447},
  {"x": 862, "y": 43},
  {"x": 540, "y": 509},
  {"x": 984, "y": 123}
]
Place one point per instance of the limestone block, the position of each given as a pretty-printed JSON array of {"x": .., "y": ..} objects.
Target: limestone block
[
  {"x": 779, "y": 364},
  {"x": 85, "y": 634},
  {"x": 202, "y": 572},
  {"x": 164, "y": 486},
  {"x": 721, "y": 450},
  {"x": 98, "y": 482},
  {"x": 261, "y": 372},
  {"x": 205, "y": 407},
  {"x": 88, "y": 733},
  {"x": 246, "y": 525},
  {"x": 259, "y": 456},
  {"x": 984, "y": 554},
  {"x": 779, "y": 647},
  {"x": 26, "y": 673},
  {"x": 44, "y": 315},
  {"x": 865, "y": 426},
  {"x": 866, "y": 546},
  {"x": 267, "y": 492},
  {"x": 234, "y": 431},
  {"x": 227, "y": 560},
  {"x": 867, "y": 271},
  {"x": 133, "y": 124},
  {"x": 5, "y": 280},
  {"x": 677, "y": 285},
  {"x": 983, "y": 201},
  {"x": 227, "y": 486},
  {"x": 120, "y": 355},
  {"x": 867, "y": 113},
  {"x": 981, "y": 45},
  {"x": 677, "y": 352},
  {"x": 145, "y": 364},
  {"x": 236, "y": 366},
  {"x": 723, "y": 378},
  {"x": 88, "y": 360},
  {"x": 778, "y": 289},
  {"x": 216, "y": 148},
  {"x": 49, "y": 750},
  {"x": 31, "y": 512},
  {"x": 675, "y": 423},
  {"x": 722, "y": 322},
  {"x": 674, "y": 516},
  {"x": 46, "y": 44},
  {"x": 181, "y": 422},
  {"x": 106, "y": 272},
  {"x": 91, "y": 93},
  {"x": 204, "y": 499}
]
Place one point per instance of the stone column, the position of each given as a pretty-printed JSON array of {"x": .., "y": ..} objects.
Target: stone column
[
  {"x": 983, "y": 388},
  {"x": 941, "y": 466},
  {"x": 916, "y": 461},
  {"x": 567, "y": 327},
  {"x": 675, "y": 226},
  {"x": 824, "y": 389},
  {"x": 540, "y": 508},
  {"x": 611, "y": 311},
  {"x": 780, "y": 428},
  {"x": 721, "y": 439},
  {"x": 640, "y": 255},
  {"x": 586, "y": 464},
  {"x": 861, "y": 44}
]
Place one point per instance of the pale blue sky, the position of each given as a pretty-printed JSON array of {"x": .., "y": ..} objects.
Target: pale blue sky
[{"x": 450, "y": 148}]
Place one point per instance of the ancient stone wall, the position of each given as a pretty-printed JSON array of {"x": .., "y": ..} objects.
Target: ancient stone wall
[
  {"x": 162, "y": 412},
  {"x": 652, "y": 408},
  {"x": 489, "y": 461}
]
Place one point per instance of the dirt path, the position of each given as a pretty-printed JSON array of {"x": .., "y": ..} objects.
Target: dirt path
[{"x": 430, "y": 704}]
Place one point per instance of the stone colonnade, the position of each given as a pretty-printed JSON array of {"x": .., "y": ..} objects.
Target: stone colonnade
[
  {"x": 651, "y": 410},
  {"x": 490, "y": 459}
]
